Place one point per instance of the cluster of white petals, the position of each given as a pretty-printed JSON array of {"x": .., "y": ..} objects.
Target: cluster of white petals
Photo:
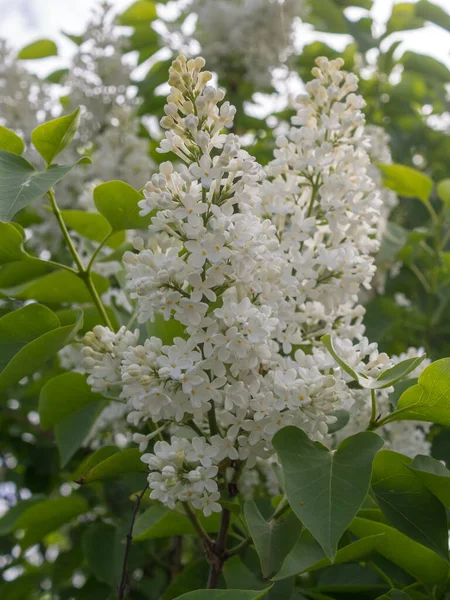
[{"x": 250, "y": 269}]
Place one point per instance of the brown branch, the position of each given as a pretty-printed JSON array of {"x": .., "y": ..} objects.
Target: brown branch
[
  {"x": 123, "y": 578},
  {"x": 219, "y": 551}
]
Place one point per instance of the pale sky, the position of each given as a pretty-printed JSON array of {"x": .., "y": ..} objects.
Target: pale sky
[{"x": 24, "y": 21}]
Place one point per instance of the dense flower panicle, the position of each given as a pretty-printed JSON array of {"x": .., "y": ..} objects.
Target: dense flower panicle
[
  {"x": 252, "y": 275},
  {"x": 247, "y": 37}
]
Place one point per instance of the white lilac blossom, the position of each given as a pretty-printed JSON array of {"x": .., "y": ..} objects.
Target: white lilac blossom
[
  {"x": 251, "y": 272},
  {"x": 406, "y": 437},
  {"x": 246, "y": 38}
]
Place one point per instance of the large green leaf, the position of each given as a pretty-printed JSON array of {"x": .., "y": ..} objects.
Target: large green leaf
[
  {"x": 434, "y": 475},
  {"x": 429, "y": 399},
  {"x": 434, "y": 13},
  {"x": 10, "y": 141},
  {"x": 407, "y": 503},
  {"x": 192, "y": 577},
  {"x": 38, "y": 49},
  {"x": 326, "y": 16},
  {"x": 29, "y": 337},
  {"x": 58, "y": 287},
  {"x": 115, "y": 465},
  {"x": 20, "y": 183},
  {"x": 307, "y": 555},
  {"x": 398, "y": 372},
  {"x": 8, "y": 520},
  {"x": 224, "y": 595},
  {"x": 417, "y": 560},
  {"x": 273, "y": 539},
  {"x": 239, "y": 576},
  {"x": 426, "y": 66},
  {"x": 93, "y": 459},
  {"x": 92, "y": 226},
  {"x": 62, "y": 396},
  {"x": 326, "y": 489},
  {"x": 73, "y": 429},
  {"x": 142, "y": 11},
  {"x": 11, "y": 243},
  {"x": 160, "y": 522},
  {"x": 443, "y": 191},
  {"x": 118, "y": 203},
  {"x": 407, "y": 181},
  {"x": 52, "y": 137},
  {"x": 42, "y": 518},
  {"x": 403, "y": 17}
]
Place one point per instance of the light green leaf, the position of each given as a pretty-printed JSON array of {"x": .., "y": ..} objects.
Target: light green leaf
[
  {"x": 407, "y": 503},
  {"x": 403, "y": 17},
  {"x": 38, "y": 49},
  {"x": 429, "y": 399},
  {"x": 118, "y": 203},
  {"x": 434, "y": 475},
  {"x": 92, "y": 460},
  {"x": 44, "y": 517},
  {"x": 11, "y": 243},
  {"x": 407, "y": 181},
  {"x": 142, "y": 11},
  {"x": 273, "y": 540},
  {"x": 73, "y": 429},
  {"x": 160, "y": 522},
  {"x": 327, "y": 342},
  {"x": 29, "y": 337},
  {"x": 52, "y": 137},
  {"x": 417, "y": 560},
  {"x": 224, "y": 595},
  {"x": 398, "y": 372},
  {"x": 326, "y": 489},
  {"x": 10, "y": 141},
  {"x": 20, "y": 184},
  {"x": 92, "y": 226},
  {"x": 327, "y": 16},
  {"x": 307, "y": 555},
  {"x": 58, "y": 287},
  {"x": 57, "y": 76},
  {"x": 63, "y": 395},
  {"x": 120, "y": 463},
  {"x": 443, "y": 191}
]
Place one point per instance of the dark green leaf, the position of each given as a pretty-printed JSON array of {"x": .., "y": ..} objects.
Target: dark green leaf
[
  {"x": 10, "y": 141},
  {"x": 92, "y": 460},
  {"x": 394, "y": 595},
  {"x": 52, "y": 137},
  {"x": 20, "y": 184},
  {"x": 73, "y": 429},
  {"x": 307, "y": 555},
  {"x": 426, "y": 66},
  {"x": 98, "y": 545},
  {"x": 192, "y": 577},
  {"x": 273, "y": 539},
  {"x": 326, "y": 489},
  {"x": 118, "y": 203},
  {"x": 431, "y": 12},
  {"x": 120, "y": 463},
  {"x": 399, "y": 371},
  {"x": 58, "y": 287},
  {"x": 44, "y": 517},
  {"x": 434, "y": 475},
  {"x": 417, "y": 560},
  {"x": 160, "y": 522},
  {"x": 407, "y": 503},
  {"x": 29, "y": 337},
  {"x": 62, "y": 396},
  {"x": 38, "y": 49},
  {"x": 224, "y": 595},
  {"x": 326, "y": 16},
  {"x": 238, "y": 576},
  {"x": 8, "y": 520}
]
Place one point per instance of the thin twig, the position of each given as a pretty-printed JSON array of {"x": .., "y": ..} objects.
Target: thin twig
[{"x": 123, "y": 578}]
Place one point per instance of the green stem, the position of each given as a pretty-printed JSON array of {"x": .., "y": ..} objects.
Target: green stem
[
  {"x": 86, "y": 277},
  {"x": 382, "y": 574},
  {"x": 97, "y": 251},
  {"x": 239, "y": 547},
  {"x": 282, "y": 507},
  {"x": 64, "y": 231},
  {"x": 61, "y": 266},
  {"x": 83, "y": 274},
  {"x": 373, "y": 417},
  {"x": 204, "y": 537}
]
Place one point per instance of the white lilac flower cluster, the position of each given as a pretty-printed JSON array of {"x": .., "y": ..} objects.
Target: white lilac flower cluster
[
  {"x": 251, "y": 269},
  {"x": 247, "y": 37}
]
